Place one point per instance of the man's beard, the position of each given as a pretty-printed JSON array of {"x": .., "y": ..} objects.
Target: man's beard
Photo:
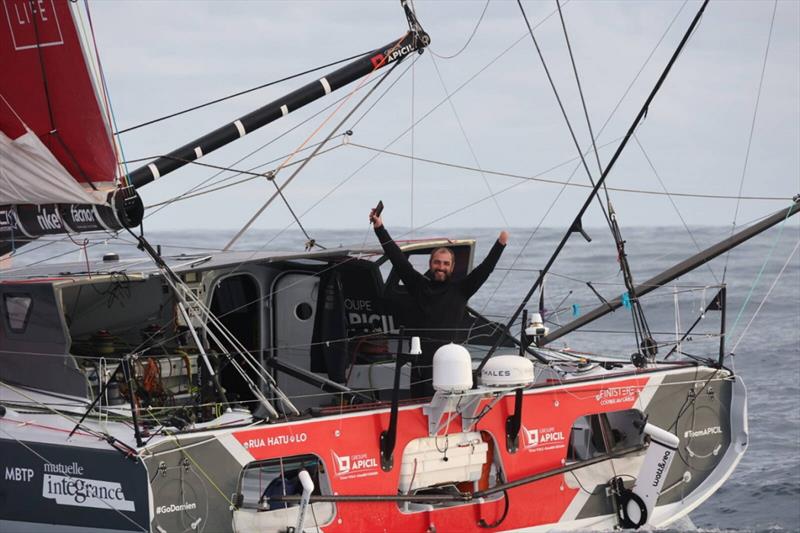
[{"x": 441, "y": 275}]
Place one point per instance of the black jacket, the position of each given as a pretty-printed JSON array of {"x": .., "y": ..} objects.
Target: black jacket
[{"x": 440, "y": 305}]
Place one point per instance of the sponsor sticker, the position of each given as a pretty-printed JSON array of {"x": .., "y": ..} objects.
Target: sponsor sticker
[
  {"x": 175, "y": 507},
  {"x": 615, "y": 395},
  {"x": 354, "y": 466},
  {"x": 275, "y": 440},
  {"x": 84, "y": 492},
  {"x": 33, "y": 23},
  {"x": 542, "y": 439},
  {"x": 692, "y": 434}
]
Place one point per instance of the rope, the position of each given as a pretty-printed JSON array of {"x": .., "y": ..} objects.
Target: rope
[
  {"x": 744, "y": 331},
  {"x": 752, "y": 128},
  {"x": 234, "y": 95},
  {"x": 758, "y": 276},
  {"x": 564, "y": 111},
  {"x": 469, "y": 144},
  {"x": 674, "y": 205},
  {"x": 208, "y": 189},
  {"x": 317, "y": 130},
  {"x": 550, "y": 181},
  {"x": 469, "y": 39}
]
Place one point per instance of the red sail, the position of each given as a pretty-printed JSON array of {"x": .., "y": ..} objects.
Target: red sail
[{"x": 46, "y": 85}]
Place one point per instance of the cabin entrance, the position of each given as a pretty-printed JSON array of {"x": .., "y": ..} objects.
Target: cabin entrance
[
  {"x": 236, "y": 302},
  {"x": 294, "y": 310}
]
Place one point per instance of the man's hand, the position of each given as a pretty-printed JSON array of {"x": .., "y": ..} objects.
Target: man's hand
[
  {"x": 374, "y": 219},
  {"x": 503, "y": 238}
]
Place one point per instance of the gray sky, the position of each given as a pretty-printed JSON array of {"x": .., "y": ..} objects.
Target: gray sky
[{"x": 163, "y": 56}]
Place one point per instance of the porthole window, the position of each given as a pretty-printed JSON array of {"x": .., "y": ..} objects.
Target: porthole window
[{"x": 303, "y": 311}]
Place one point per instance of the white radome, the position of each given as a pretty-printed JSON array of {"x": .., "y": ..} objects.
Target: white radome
[
  {"x": 452, "y": 369},
  {"x": 507, "y": 371}
]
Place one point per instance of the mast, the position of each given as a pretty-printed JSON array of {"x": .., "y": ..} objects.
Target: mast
[
  {"x": 679, "y": 269},
  {"x": 415, "y": 40}
]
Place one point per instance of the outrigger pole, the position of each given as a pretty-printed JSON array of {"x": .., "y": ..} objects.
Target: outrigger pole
[
  {"x": 415, "y": 40},
  {"x": 679, "y": 269},
  {"x": 577, "y": 225}
]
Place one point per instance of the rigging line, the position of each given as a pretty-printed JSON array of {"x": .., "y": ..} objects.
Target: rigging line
[
  {"x": 104, "y": 92},
  {"x": 210, "y": 188},
  {"x": 752, "y": 128},
  {"x": 580, "y": 89},
  {"x": 455, "y": 91},
  {"x": 413, "y": 97},
  {"x": 309, "y": 241},
  {"x": 763, "y": 301},
  {"x": 399, "y": 136},
  {"x": 202, "y": 184},
  {"x": 303, "y": 122},
  {"x": 758, "y": 277},
  {"x": 234, "y": 95},
  {"x": 563, "y": 111},
  {"x": 536, "y": 177},
  {"x": 413, "y": 61},
  {"x": 469, "y": 39},
  {"x": 327, "y": 138},
  {"x": 602, "y": 129},
  {"x": 640, "y": 323},
  {"x": 466, "y": 139},
  {"x": 64, "y": 240},
  {"x": 671, "y": 201},
  {"x": 642, "y": 111}
]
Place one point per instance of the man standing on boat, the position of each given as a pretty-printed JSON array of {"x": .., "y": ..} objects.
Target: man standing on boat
[{"x": 439, "y": 301}]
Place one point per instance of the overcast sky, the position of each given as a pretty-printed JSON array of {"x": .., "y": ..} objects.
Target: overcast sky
[{"x": 160, "y": 57}]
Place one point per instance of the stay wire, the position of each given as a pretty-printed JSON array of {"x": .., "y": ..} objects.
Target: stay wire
[
  {"x": 467, "y": 141},
  {"x": 220, "y": 184},
  {"x": 602, "y": 128},
  {"x": 319, "y": 147},
  {"x": 237, "y": 94},
  {"x": 469, "y": 39},
  {"x": 766, "y": 296},
  {"x": 752, "y": 130},
  {"x": 253, "y": 152},
  {"x": 537, "y": 177},
  {"x": 561, "y": 106},
  {"x": 672, "y": 202},
  {"x": 580, "y": 89}
]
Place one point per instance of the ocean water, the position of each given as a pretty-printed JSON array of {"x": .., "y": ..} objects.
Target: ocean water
[{"x": 763, "y": 494}]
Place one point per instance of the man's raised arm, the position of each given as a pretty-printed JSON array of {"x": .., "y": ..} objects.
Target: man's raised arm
[
  {"x": 480, "y": 273},
  {"x": 400, "y": 262}
]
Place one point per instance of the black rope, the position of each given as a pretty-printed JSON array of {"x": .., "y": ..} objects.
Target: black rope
[
  {"x": 561, "y": 106},
  {"x": 234, "y": 95}
]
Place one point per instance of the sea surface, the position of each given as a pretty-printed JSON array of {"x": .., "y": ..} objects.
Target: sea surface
[{"x": 763, "y": 332}]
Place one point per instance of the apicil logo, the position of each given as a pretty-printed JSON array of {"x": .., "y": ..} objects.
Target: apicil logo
[
  {"x": 360, "y": 465},
  {"x": 342, "y": 463},
  {"x": 531, "y": 437},
  {"x": 538, "y": 439}
]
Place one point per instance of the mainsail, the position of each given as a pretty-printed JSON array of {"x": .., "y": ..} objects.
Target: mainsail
[{"x": 58, "y": 165}]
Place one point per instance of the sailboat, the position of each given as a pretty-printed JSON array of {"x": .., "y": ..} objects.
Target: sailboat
[{"x": 269, "y": 391}]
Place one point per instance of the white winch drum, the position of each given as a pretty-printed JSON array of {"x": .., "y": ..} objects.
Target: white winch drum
[
  {"x": 507, "y": 371},
  {"x": 452, "y": 369}
]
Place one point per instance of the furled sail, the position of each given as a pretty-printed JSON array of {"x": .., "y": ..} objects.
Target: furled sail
[{"x": 58, "y": 165}]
